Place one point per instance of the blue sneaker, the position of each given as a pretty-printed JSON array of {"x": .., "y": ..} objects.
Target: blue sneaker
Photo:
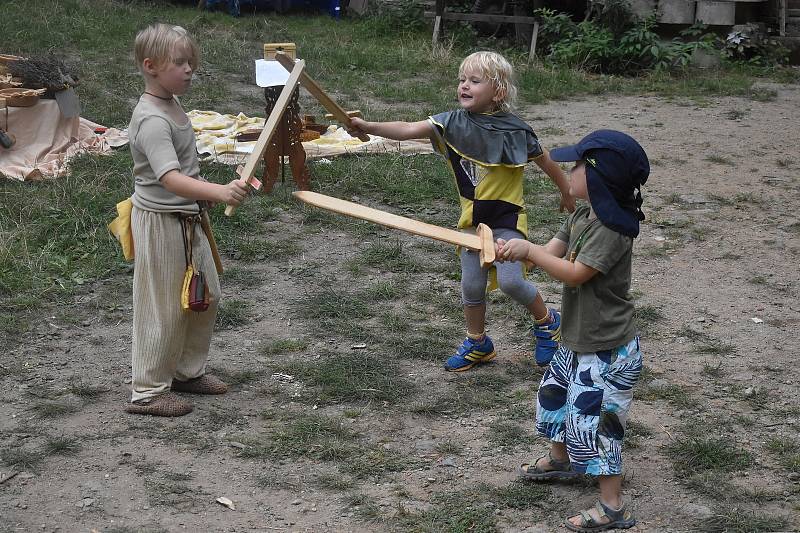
[
  {"x": 547, "y": 336},
  {"x": 470, "y": 354}
]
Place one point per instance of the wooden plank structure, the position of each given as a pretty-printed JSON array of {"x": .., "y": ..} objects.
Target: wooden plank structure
[
  {"x": 482, "y": 241},
  {"x": 441, "y": 14},
  {"x": 790, "y": 18},
  {"x": 296, "y": 75},
  {"x": 317, "y": 92},
  {"x": 269, "y": 130}
]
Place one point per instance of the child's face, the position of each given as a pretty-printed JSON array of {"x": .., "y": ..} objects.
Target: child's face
[
  {"x": 175, "y": 74},
  {"x": 476, "y": 93},
  {"x": 577, "y": 181}
]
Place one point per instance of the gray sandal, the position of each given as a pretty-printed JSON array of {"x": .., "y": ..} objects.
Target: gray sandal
[
  {"x": 618, "y": 519},
  {"x": 561, "y": 470}
]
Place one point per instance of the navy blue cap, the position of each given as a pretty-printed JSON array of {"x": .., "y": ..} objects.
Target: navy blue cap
[{"x": 616, "y": 168}]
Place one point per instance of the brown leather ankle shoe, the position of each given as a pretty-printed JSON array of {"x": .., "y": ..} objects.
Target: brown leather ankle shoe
[
  {"x": 205, "y": 384},
  {"x": 167, "y": 404}
]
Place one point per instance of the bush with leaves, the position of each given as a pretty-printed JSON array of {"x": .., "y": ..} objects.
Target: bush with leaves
[
  {"x": 748, "y": 43},
  {"x": 624, "y": 45},
  {"x": 554, "y": 28}
]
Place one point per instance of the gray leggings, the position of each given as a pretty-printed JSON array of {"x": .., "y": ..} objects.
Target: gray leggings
[{"x": 509, "y": 275}]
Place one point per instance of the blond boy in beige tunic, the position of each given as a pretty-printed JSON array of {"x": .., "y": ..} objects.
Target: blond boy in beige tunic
[{"x": 170, "y": 345}]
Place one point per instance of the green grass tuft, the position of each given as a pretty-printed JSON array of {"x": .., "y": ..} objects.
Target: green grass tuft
[
  {"x": 737, "y": 520},
  {"x": 696, "y": 454},
  {"x": 61, "y": 446},
  {"x": 232, "y": 314},
  {"x": 284, "y": 346},
  {"x": 352, "y": 377}
]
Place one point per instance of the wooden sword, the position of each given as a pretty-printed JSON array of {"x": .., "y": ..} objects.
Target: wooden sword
[{"x": 482, "y": 241}]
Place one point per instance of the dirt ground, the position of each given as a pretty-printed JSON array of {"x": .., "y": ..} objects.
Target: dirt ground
[{"x": 716, "y": 270}]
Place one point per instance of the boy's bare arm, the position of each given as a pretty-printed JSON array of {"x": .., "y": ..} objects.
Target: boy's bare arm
[
  {"x": 555, "y": 173},
  {"x": 399, "y": 131},
  {"x": 185, "y": 186},
  {"x": 549, "y": 258},
  {"x": 556, "y": 247}
]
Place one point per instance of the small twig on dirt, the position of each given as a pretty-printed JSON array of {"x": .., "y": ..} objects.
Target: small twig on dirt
[
  {"x": 776, "y": 424},
  {"x": 668, "y": 433},
  {"x": 371, "y": 390},
  {"x": 10, "y": 476}
]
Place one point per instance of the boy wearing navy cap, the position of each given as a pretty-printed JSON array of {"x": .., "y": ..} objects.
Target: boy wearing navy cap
[{"x": 585, "y": 394}]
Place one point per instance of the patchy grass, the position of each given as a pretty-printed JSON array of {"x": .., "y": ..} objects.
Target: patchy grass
[
  {"x": 647, "y": 316},
  {"x": 465, "y": 394},
  {"x": 757, "y": 397},
  {"x": 464, "y": 511},
  {"x": 304, "y": 435},
  {"x": 719, "y": 487},
  {"x": 334, "y": 310},
  {"x": 241, "y": 277},
  {"x": 363, "y": 506},
  {"x": 55, "y": 409},
  {"x": 239, "y": 377},
  {"x": 712, "y": 346},
  {"x": 635, "y": 433},
  {"x": 333, "y": 481},
  {"x": 738, "y": 520},
  {"x": 273, "y": 480},
  {"x": 735, "y": 114},
  {"x": 720, "y": 160},
  {"x": 284, "y": 346},
  {"x": 352, "y": 377},
  {"x": 696, "y": 454},
  {"x": 676, "y": 395},
  {"x": 376, "y": 462},
  {"x": 508, "y": 434},
  {"x": 524, "y": 496},
  {"x": 86, "y": 392},
  {"x": 387, "y": 290},
  {"x": 170, "y": 492},
  {"x": 232, "y": 314},
  {"x": 21, "y": 458},
  {"x": 713, "y": 371},
  {"x": 248, "y": 247},
  {"x": 61, "y": 446},
  {"x": 787, "y": 451},
  {"x": 390, "y": 257},
  {"x": 449, "y": 447}
]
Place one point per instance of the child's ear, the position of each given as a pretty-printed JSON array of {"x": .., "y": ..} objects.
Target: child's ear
[{"x": 149, "y": 66}]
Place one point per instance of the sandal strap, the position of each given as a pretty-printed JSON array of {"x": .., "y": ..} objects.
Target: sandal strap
[
  {"x": 601, "y": 510},
  {"x": 564, "y": 466},
  {"x": 613, "y": 514},
  {"x": 586, "y": 519}
]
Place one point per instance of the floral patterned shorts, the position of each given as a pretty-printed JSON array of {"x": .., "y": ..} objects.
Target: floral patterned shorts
[{"x": 584, "y": 400}]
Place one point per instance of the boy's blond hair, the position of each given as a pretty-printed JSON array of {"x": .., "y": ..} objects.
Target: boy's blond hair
[
  {"x": 496, "y": 69},
  {"x": 160, "y": 41}
]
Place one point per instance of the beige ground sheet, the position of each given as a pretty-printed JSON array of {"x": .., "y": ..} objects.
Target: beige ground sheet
[{"x": 45, "y": 140}]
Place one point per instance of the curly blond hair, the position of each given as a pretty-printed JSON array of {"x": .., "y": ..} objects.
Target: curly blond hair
[{"x": 496, "y": 69}]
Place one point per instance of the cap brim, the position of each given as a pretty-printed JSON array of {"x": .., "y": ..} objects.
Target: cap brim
[{"x": 565, "y": 153}]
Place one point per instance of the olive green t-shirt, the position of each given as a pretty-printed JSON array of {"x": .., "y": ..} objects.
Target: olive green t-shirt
[
  {"x": 159, "y": 145},
  {"x": 597, "y": 315}
]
